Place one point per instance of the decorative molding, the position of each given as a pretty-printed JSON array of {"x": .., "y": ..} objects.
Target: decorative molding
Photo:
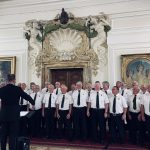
[
  {"x": 69, "y": 42},
  {"x": 74, "y": 5}
]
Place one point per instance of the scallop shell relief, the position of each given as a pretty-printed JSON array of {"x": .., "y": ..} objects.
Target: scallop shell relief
[{"x": 65, "y": 41}]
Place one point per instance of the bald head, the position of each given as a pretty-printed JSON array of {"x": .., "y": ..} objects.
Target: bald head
[{"x": 135, "y": 83}]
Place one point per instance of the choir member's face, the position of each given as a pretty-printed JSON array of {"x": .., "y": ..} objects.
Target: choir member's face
[
  {"x": 97, "y": 86},
  {"x": 89, "y": 87},
  {"x": 63, "y": 89},
  {"x": 46, "y": 84},
  {"x": 23, "y": 86},
  {"x": 32, "y": 87},
  {"x": 105, "y": 86},
  {"x": 50, "y": 88},
  {"x": 135, "y": 87},
  {"x": 57, "y": 85},
  {"x": 118, "y": 84},
  {"x": 143, "y": 88},
  {"x": 135, "y": 91},
  {"x": 79, "y": 86},
  {"x": 115, "y": 90},
  {"x": 73, "y": 87},
  {"x": 37, "y": 88},
  {"x": 19, "y": 84},
  {"x": 148, "y": 88}
]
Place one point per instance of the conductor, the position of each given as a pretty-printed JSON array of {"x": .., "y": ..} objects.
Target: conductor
[{"x": 10, "y": 111}]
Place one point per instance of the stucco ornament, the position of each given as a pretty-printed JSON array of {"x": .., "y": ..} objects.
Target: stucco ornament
[
  {"x": 34, "y": 47},
  {"x": 102, "y": 25},
  {"x": 65, "y": 41},
  {"x": 74, "y": 41}
]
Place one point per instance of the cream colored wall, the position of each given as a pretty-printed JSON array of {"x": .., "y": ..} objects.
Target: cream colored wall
[
  {"x": 130, "y": 35},
  {"x": 130, "y": 29}
]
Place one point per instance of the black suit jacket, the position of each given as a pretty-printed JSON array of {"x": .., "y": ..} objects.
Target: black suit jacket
[{"x": 10, "y": 108}]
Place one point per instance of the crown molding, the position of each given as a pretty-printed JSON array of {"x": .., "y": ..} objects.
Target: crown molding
[
  {"x": 26, "y": 3},
  {"x": 50, "y": 6}
]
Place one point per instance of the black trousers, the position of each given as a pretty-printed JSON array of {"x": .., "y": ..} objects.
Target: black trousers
[
  {"x": 64, "y": 125},
  {"x": 79, "y": 123},
  {"x": 23, "y": 126},
  {"x": 10, "y": 130},
  {"x": 135, "y": 126},
  {"x": 50, "y": 122},
  {"x": 98, "y": 124},
  {"x": 23, "y": 122},
  {"x": 43, "y": 126},
  {"x": 31, "y": 124},
  {"x": 88, "y": 123},
  {"x": 117, "y": 126},
  {"x": 148, "y": 127},
  {"x": 37, "y": 123}
]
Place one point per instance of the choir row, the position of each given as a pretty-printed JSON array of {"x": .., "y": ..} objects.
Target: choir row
[{"x": 84, "y": 112}]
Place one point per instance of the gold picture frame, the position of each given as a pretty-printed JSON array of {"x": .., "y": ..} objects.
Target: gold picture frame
[
  {"x": 135, "y": 67},
  {"x": 7, "y": 66}
]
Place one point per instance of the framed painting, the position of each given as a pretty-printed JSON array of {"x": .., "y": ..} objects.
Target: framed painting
[
  {"x": 7, "y": 66},
  {"x": 136, "y": 67}
]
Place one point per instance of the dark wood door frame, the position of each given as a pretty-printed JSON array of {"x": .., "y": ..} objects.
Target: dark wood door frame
[
  {"x": 66, "y": 76},
  {"x": 46, "y": 70}
]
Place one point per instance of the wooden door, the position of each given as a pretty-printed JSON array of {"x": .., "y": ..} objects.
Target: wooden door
[{"x": 67, "y": 76}]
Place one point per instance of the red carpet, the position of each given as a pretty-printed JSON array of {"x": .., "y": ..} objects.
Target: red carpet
[{"x": 87, "y": 144}]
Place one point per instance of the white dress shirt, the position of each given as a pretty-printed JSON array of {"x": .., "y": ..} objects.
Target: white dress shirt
[
  {"x": 89, "y": 93},
  {"x": 53, "y": 99},
  {"x": 141, "y": 92},
  {"x": 59, "y": 91},
  {"x": 120, "y": 90},
  {"x": 38, "y": 100},
  {"x": 126, "y": 93},
  {"x": 109, "y": 92},
  {"x": 44, "y": 90},
  {"x": 30, "y": 91},
  {"x": 103, "y": 99},
  {"x": 70, "y": 92},
  {"x": 146, "y": 102},
  {"x": 83, "y": 98},
  {"x": 120, "y": 104},
  {"x": 67, "y": 101},
  {"x": 138, "y": 102},
  {"x": 25, "y": 102},
  {"x": 130, "y": 91}
]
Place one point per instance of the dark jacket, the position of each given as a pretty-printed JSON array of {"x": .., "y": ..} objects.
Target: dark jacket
[{"x": 10, "y": 108}]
